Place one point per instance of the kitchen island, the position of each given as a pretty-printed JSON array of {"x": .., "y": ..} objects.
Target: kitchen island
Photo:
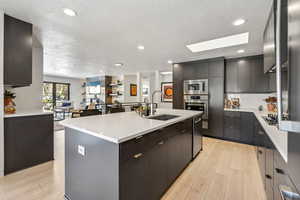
[{"x": 123, "y": 156}]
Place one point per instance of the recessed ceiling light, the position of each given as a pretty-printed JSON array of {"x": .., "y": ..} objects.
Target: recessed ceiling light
[
  {"x": 119, "y": 64},
  {"x": 170, "y": 61},
  {"x": 239, "y": 22},
  {"x": 165, "y": 73},
  {"x": 70, "y": 12},
  {"x": 228, "y": 41},
  {"x": 141, "y": 47},
  {"x": 241, "y": 51}
]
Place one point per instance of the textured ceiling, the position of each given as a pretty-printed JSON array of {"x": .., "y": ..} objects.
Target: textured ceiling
[{"x": 106, "y": 32}]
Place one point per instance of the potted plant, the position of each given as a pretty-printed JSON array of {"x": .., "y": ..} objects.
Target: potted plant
[{"x": 9, "y": 104}]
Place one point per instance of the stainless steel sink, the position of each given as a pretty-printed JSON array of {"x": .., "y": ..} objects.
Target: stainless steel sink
[{"x": 163, "y": 117}]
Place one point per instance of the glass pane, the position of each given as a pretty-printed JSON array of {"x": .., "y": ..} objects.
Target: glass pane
[
  {"x": 62, "y": 92},
  {"x": 48, "y": 96}
]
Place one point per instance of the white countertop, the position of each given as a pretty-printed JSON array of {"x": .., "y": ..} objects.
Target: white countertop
[
  {"x": 120, "y": 127},
  {"x": 279, "y": 138},
  {"x": 23, "y": 113}
]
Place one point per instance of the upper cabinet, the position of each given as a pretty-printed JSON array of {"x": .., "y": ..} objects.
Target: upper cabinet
[
  {"x": 246, "y": 75},
  {"x": 17, "y": 52}
]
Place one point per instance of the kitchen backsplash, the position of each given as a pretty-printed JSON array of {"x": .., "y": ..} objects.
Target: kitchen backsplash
[{"x": 251, "y": 100}]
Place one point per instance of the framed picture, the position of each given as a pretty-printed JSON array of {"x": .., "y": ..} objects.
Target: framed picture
[
  {"x": 133, "y": 90},
  {"x": 167, "y": 92}
]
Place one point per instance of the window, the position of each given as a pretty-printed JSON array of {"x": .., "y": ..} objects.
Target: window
[{"x": 55, "y": 93}]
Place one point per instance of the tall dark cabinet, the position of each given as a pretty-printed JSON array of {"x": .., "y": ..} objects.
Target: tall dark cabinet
[
  {"x": 17, "y": 52},
  {"x": 213, "y": 70}
]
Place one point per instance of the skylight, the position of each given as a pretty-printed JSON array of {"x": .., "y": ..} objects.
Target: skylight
[{"x": 227, "y": 41}]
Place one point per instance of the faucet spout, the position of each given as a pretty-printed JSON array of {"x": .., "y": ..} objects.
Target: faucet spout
[{"x": 152, "y": 107}]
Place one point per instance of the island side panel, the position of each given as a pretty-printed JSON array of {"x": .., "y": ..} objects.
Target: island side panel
[{"x": 94, "y": 175}]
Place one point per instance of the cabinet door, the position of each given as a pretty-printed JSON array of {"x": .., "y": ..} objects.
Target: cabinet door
[
  {"x": 260, "y": 138},
  {"x": 247, "y": 127},
  {"x": 32, "y": 140},
  {"x": 135, "y": 179},
  {"x": 175, "y": 155},
  {"x": 259, "y": 80},
  {"x": 216, "y": 68},
  {"x": 232, "y": 125},
  {"x": 216, "y": 106},
  {"x": 262, "y": 164},
  {"x": 158, "y": 170},
  {"x": 244, "y": 75},
  {"x": 17, "y": 52},
  {"x": 269, "y": 173},
  {"x": 231, "y": 78},
  {"x": 178, "y": 86}
]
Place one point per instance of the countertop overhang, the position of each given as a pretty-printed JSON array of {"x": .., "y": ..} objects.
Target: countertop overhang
[
  {"x": 120, "y": 127},
  {"x": 25, "y": 113}
]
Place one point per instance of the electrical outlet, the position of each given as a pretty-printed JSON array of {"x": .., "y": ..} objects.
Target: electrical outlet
[{"x": 81, "y": 150}]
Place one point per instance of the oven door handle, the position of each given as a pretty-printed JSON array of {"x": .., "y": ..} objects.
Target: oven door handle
[{"x": 194, "y": 104}]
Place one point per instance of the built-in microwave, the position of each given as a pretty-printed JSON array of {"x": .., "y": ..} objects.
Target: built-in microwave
[{"x": 199, "y": 86}]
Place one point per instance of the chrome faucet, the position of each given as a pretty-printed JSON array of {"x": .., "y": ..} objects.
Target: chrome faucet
[{"x": 152, "y": 107}]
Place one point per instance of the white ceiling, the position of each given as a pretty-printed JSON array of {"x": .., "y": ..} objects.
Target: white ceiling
[{"x": 106, "y": 32}]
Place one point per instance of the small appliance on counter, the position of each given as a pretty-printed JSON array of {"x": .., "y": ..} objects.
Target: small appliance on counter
[
  {"x": 233, "y": 103},
  {"x": 9, "y": 104},
  {"x": 271, "y": 119},
  {"x": 271, "y": 104}
]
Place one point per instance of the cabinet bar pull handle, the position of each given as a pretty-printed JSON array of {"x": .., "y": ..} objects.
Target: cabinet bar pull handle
[
  {"x": 261, "y": 133},
  {"x": 268, "y": 176},
  {"x": 138, "y": 155},
  {"x": 161, "y": 143},
  {"x": 279, "y": 171}
]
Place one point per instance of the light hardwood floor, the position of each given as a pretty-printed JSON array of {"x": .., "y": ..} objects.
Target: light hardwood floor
[{"x": 223, "y": 171}]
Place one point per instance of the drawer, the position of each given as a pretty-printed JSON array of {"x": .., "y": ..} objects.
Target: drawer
[
  {"x": 232, "y": 114},
  {"x": 140, "y": 144}
]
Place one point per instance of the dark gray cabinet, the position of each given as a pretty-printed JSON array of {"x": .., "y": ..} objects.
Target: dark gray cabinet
[
  {"x": 28, "y": 141},
  {"x": 135, "y": 172},
  {"x": 17, "y": 52},
  {"x": 231, "y": 77},
  {"x": 155, "y": 161},
  {"x": 213, "y": 70},
  {"x": 245, "y": 78},
  {"x": 178, "y": 86},
  {"x": 246, "y": 75},
  {"x": 247, "y": 127},
  {"x": 265, "y": 158},
  {"x": 215, "y": 107},
  {"x": 232, "y": 126},
  {"x": 239, "y": 126}
]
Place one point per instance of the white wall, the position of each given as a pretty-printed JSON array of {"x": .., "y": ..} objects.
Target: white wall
[
  {"x": 75, "y": 87},
  {"x": 251, "y": 100},
  {"x": 129, "y": 79},
  {"x": 30, "y": 97},
  {"x": 1, "y": 96}
]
